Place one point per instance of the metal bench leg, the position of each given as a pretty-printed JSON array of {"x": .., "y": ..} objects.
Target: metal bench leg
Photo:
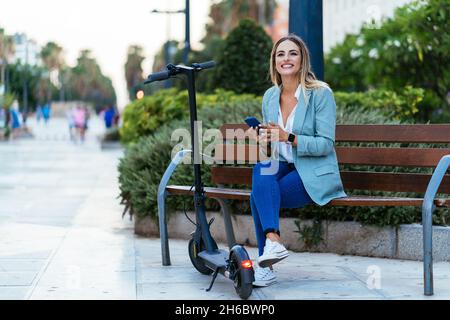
[
  {"x": 427, "y": 222},
  {"x": 226, "y": 211},
  {"x": 165, "y": 254},
  {"x": 162, "y": 194}
]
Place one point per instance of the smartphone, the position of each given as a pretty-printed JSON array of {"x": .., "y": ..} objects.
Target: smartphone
[{"x": 252, "y": 122}]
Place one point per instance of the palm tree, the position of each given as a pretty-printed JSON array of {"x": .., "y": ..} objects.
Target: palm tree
[
  {"x": 6, "y": 52},
  {"x": 226, "y": 15},
  {"x": 86, "y": 82},
  {"x": 133, "y": 69},
  {"x": 53, "y": 59}
]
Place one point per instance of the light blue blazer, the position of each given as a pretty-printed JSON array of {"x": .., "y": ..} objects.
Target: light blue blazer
[{"x": 314, "y": 156}]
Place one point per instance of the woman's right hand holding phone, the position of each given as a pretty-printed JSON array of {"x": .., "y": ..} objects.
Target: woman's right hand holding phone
[{"x": 252, "y": 133}]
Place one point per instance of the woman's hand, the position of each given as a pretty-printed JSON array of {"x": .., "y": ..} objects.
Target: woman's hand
[
  {"x": 252, "y": 134},
  {"x": 272, "y": 132}
]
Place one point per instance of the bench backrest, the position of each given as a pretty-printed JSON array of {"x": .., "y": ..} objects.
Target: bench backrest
[{"x": 399, "y": 155}]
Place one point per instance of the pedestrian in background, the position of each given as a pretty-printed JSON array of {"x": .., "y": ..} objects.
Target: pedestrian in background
[
  {"x": 81, "y": 119},
  {"x": 108, "y": 115},
  {"x": 46, "y": 110}
]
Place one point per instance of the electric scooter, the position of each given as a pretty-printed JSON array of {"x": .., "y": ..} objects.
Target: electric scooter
[{"x": 204, "y": 253}]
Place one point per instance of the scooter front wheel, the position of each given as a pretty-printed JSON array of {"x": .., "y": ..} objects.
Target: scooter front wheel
[
  {"x": 241, "y": 275},
  {"x": 195, "y": 259}
]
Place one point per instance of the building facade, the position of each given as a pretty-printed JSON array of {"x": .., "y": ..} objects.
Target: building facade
[
  {"x": 340, "y": 17},
  {"x": 27, "y": 51}
]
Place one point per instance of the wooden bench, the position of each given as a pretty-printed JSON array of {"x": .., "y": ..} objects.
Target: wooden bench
[{"x": 399, "y": 155}]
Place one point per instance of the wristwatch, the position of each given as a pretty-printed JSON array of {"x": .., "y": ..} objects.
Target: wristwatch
[{"x": 291, "y": 138}]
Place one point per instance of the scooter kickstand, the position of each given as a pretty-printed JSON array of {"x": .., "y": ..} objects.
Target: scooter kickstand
[{"x": 213, "y": 279}]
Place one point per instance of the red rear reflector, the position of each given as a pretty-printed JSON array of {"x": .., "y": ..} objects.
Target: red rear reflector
[{"x": 247, "y": 264}]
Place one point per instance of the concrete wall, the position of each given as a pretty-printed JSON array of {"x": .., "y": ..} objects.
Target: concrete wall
[{"x": 346, "y": 238}]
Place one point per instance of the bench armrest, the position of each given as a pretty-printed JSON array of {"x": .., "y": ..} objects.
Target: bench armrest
[
  {"x": 172, "y": 166},
  {"x": 162, "y": 206},
  {"x": 170, "y": 169},
  {"x": 435, "y": 182}
]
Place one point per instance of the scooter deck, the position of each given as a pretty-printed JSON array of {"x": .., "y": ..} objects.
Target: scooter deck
[{"x": 217, "y": 259}]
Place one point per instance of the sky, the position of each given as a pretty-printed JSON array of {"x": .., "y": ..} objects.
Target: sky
[{"x": 107, "y": 28}]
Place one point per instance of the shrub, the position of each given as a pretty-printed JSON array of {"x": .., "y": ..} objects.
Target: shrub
[
  {"x": 400, "y": 106},
  {"x": 408, "y": 49},
  {"x": 243, "y": 65},
  {"x": 143, "y": 117}
]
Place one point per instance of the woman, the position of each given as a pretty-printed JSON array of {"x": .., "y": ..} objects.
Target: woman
[{"x": 299, "y": 115}]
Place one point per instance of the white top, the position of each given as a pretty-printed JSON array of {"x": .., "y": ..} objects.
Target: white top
[{"x": 285, "y": 149}]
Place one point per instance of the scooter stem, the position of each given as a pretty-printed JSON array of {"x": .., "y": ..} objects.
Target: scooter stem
[{"x": 199, "y": 198}]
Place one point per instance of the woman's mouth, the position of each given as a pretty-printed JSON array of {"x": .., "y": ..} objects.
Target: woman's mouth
[{"x": 287, "y": 66}]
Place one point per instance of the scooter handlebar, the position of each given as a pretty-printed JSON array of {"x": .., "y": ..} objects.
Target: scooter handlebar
[
  {"x": 173, "y": 70},
  {"x": 158, "y": 76},
  {"x": 204, "y": 65}
]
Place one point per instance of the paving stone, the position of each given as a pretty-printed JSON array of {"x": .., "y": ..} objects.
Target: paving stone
[{"x": 17, "y": 278}]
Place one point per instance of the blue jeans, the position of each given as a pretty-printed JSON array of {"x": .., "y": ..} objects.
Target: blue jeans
[{"x": 282, "y": 188}]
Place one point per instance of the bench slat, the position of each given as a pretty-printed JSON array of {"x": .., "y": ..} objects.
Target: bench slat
[
  {"x": 417, "y": 133},
  {"x": 244, "y": 194},
  {"x": 352, "y": 180},
  {"x": 399, "y": 157},
  {"x": 231, "y": 175},
  {"x": 395, "y": 182}
]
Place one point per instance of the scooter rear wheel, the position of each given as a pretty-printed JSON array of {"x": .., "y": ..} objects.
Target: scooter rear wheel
[
  {"x": 244, "y": 290},
  {"x": 195, "y": 259}
]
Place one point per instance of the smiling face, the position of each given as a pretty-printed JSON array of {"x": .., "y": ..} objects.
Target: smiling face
[{"x": 287, "y": 59}]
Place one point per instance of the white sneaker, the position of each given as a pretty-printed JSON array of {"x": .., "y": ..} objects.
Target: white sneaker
[
  {"x": 273, "y": 252},
  {"x": 264, "y": 277}
]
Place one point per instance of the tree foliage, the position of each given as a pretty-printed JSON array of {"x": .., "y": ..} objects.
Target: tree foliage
[
  {"x": 243, "y": 64},
  {"x": 133, "y": 70},
  {"x": 410, "y": 49},
  {"x": 226, "y": 14},
  {"x": 6, "y": 51},
  {"x": 87, "y": 82}
]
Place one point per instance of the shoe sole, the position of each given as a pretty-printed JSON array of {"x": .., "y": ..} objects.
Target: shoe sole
[
  {"x": 271, "y": 260},
  {"x": 264, "y": 284}
]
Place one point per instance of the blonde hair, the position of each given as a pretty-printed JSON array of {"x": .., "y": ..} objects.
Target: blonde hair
[{"x": 306, "y": 78}]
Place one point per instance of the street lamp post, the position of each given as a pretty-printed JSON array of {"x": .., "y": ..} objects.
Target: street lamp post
[
  {"x": 187, "y": 45},
  {"x": 187, "y": 40}
]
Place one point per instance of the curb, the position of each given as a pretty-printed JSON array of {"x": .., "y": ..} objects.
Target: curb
[{"x": 344, "y": 238}]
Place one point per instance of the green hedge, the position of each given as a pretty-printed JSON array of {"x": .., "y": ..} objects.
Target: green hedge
[
  {"x": 145, "y": 161},
  {"x": 400, "y": 106},
  {"x": 143, "y": 117}
]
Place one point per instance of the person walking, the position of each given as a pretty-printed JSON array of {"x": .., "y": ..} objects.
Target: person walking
[{"x": 80, "y": 119}]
